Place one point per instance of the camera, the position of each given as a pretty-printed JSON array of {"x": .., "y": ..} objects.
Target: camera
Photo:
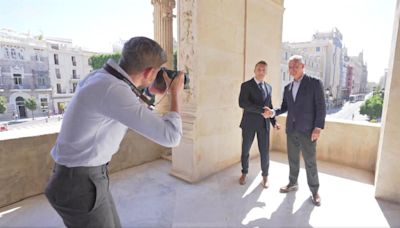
[{"x": 161, "y": 85}]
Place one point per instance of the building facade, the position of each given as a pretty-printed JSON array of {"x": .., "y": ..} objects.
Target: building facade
[
  {"x": 360, "y": 74},
  {"x": 67, "y": 65},
  {"x": 43, "y": 69},
  {"x": 324, "y": 58}
]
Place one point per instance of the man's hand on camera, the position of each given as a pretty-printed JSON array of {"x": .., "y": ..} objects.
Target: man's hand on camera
[
  {"x": 177, "y": 84},
  {"x": 175, "y": 88}
]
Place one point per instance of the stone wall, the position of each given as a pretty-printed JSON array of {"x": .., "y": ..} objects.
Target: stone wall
[
  {"x": 219, "y": 44},
  {"x": 387, "y": 179},
  {"x": 342, "y": 142},
  {"x": 25, "y": 163}
]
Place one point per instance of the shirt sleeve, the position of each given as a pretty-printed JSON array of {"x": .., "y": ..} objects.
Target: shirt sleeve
[{"x": 121, "y": 104}]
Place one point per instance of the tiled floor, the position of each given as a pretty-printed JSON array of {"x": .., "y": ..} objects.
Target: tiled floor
[{"x": 147, "y": 196}]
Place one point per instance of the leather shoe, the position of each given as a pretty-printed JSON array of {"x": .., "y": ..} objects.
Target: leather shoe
[
  {"x": 288, "y": 188},
  {"x": 316, "y": 199},
  {"x": 242, "y": 179},
  {"x": 264, "y": 182}
]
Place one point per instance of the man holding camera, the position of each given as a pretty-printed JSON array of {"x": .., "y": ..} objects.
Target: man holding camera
[
  {"x": 97, "y": 118},
  {"x": 255, "y": 96}
]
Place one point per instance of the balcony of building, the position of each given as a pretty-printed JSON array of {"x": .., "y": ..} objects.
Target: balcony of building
[
  {"x": 75, "y": 78},
  {"x": 147, "y": 195},
  {"x": 199, "y": 187}
]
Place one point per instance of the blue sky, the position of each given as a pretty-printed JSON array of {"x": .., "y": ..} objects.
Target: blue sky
[{"x": 97, "y": 24}]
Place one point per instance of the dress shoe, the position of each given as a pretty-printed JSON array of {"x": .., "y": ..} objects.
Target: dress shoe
[
  {"x": 242, "y": 179},
  {"x": 316, "y": 199},
  {"x": 288, "y": 188},
  {"x": 264, "y": 182}
]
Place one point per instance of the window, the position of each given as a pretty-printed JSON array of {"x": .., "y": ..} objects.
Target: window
[
  {"x": 6, "y": 53},
  {"x": 13, "y": 53},
  {"x": 20, "y": 101},
  {"x": 44, "y": 103},
  {"x": 55, "y": 46},
  {"x": 17, "y": 79},
  {"x": 21, "y": 54},
  {"x": 317, "y": 49},
  {"x": 74, "y": 76},
  {"x": 58, "y": 88},
  {"x": 74, "y": 87},
  {"x": 41, "y": 81},
  {"x": 73, "y": 61},
  {"x": 58, "y": 74},
  {"x": 56, "y": 59}
]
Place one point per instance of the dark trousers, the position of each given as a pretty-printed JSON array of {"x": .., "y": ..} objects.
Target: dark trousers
[
  {"x": 297, "y": 141},
  {"x": 263, "y": 147},
  {"x": 81, "y": 196}
]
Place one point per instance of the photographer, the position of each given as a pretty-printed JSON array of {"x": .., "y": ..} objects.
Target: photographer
[{"x": 98, "y": 116}]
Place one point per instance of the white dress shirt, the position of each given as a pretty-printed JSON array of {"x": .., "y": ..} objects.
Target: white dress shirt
[{"x": 98, "y": 116}]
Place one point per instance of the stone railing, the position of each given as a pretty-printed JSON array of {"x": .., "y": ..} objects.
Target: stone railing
[
  {"x": 349, "y": 143},
  {"x": 26, "y": 165}
]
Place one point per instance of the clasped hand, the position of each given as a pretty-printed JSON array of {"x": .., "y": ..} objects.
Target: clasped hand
[{"x": 267, "y": 112}]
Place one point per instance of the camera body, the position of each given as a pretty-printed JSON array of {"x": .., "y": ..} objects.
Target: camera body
[{"x": 161, "y": 85}]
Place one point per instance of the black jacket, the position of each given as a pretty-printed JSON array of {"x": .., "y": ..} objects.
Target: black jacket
[
  {"x": 252, "y": 102},
  {"x": 308, "y": 111}
]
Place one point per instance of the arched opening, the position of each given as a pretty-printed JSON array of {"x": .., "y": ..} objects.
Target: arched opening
[{"x": 20, "y": 103}]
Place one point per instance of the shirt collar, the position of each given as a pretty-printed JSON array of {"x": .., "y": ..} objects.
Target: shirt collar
[
  {"x": 299, "y": 81},
  {"x": 258, "y": 82},
  {"x": 114, "y": 65}
]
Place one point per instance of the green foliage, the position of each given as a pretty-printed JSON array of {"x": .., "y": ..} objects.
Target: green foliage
[
  {"x": 175, "y": 62},
  {"x": 373, "y": 106},
  {"x": 31, "y": 105},
  {"x": 97, "y": 61},
  {"x": 3, "y": 104}
]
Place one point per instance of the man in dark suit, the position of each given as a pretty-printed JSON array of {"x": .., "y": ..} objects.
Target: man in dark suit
[
  {"x": 255, "y": 95},
  {"x": 304, "y": 101}
]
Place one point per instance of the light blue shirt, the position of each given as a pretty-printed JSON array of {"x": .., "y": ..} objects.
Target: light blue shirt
[
  {"x": 98, "y": 116},
  {"x": 295, "y": 87}
]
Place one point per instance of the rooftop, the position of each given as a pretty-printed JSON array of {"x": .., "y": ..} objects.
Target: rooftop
[{"x": 147, "y": 196}]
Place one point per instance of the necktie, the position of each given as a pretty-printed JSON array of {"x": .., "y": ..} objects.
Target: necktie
[{"x": 262, "y": 90}]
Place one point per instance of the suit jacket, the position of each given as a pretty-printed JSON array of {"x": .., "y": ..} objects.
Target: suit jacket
[
  {"x": 308, "y": 111},
  {"x": 252, "y": 102}
]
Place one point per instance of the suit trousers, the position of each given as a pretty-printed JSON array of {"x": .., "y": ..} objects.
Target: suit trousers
[
  {"x": 263, "y": 147},
  {"x": 81, "y": 196},
  {"x": 297, "y": 141}
]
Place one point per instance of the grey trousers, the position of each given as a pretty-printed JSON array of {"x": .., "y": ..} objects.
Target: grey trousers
[
  {"x": 297, "y": 141},
  {"x": 81, "y": 196}
]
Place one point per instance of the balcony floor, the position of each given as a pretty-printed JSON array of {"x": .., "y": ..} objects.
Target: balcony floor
[{"x": 146, "y": 196}]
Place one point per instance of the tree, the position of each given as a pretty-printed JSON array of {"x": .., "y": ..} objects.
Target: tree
[
  {"x": 97, "y": 61},
  {"x": 3, "y": 104},
  {"x": 175, "y": 60},
  {"x": 373, "y": 106},
  {"x": 31, "y": 105}
]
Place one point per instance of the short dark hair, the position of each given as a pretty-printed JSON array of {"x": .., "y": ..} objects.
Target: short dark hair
[
  {"x": 261, "y": 62},
  {"x": 140, "y": 53}
]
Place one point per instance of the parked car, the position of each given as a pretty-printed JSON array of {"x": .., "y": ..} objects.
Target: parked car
[{"x": 4, "y": 127}]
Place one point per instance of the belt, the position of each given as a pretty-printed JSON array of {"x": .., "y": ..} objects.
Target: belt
[{"x": 80, "y": 169}]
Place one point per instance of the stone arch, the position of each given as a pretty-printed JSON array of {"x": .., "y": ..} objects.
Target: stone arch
[{"x": 16, "y": 100}]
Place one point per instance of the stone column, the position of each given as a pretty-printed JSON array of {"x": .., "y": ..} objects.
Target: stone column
[
  {"x": 219, "y": 44},
  {"x": 387, "y": 181},
  {"x": 163, "y": 26}
]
